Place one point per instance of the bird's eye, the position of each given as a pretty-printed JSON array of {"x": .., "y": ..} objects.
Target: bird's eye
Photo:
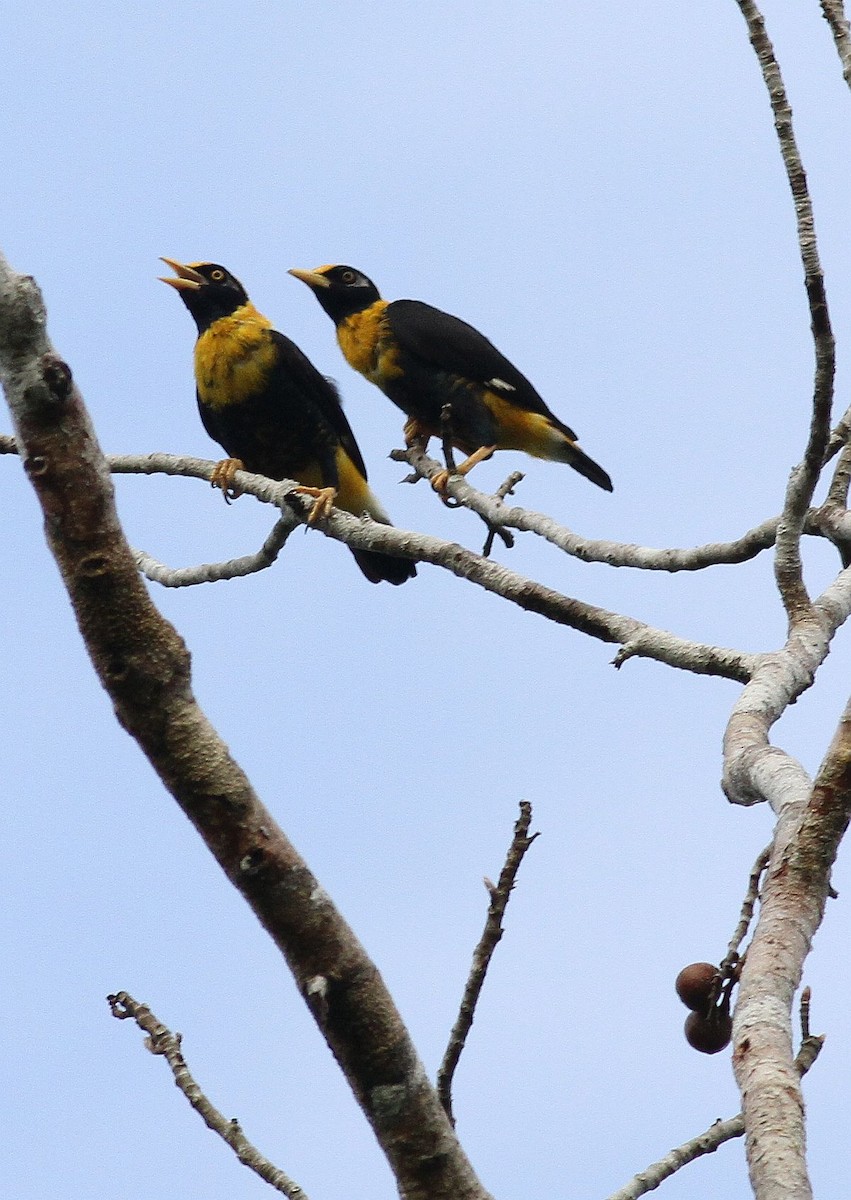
[
  {"x": 348, "y": 277},
  {"x": 217, "y": 275}
]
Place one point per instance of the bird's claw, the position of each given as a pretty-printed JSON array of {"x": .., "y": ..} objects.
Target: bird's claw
[
  {"x": 323, "y": 501},
  {"x": 222, "y": 477}
]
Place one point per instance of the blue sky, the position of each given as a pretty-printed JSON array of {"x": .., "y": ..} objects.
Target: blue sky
[{"x": 600, "y": 193}]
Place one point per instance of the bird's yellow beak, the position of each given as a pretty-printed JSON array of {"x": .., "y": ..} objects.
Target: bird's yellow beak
[
  {"x": 313, "y": 279},
  {"x": 188, "y": 279}
]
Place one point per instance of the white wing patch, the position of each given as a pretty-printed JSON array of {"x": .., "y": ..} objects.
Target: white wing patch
[{"x": 500, "y": 385}]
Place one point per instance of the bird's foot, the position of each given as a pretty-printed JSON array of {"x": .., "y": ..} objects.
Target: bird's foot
[
  {"x": 324, "y": 501},
  {"x": 222, "y": 477},
  {"x": 441, "y": 478},
  {"x": 439, "y": 482}
]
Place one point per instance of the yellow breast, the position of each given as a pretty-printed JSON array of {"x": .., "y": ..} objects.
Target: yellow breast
[
  {"x": 365, "y": 341},
  {"x": 234, "y": 358}
]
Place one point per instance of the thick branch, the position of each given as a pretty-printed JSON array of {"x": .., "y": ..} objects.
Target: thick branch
[
  {"x": 754, "y": 770},
  {"x": 144, "y": 666},
  {"x": 793, "y": 897}
]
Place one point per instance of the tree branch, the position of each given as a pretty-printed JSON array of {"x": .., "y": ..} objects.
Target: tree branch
[
  {"x": 482, "y": 955},
  {"x": 636, "y": 638},
  {"x": 754, "y": 770},
  {"x": 799, "y": 492},
  {"x": 614, "y": 554},
  {"x": 248, "y": 564},
  {"x": 834, "y": 13},
  {"x": 746, "y": 916},
  {"x": 161, "y": 1040},
  {"x": 793, "y": 896},
  {"x": 144, "y": 666}
]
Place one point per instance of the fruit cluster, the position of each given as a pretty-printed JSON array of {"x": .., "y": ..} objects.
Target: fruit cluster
[{"x": 709, "y": 1025}]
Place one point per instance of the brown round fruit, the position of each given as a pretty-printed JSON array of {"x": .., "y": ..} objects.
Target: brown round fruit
[
  {"x": 695, "y": 984},
  {"x": 711, "y": 1033}
]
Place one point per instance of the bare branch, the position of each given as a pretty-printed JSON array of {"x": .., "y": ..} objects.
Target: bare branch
[
  {"x": 754, "y": 770},
  {"x": 748, "y": 905},
  {"x": 144, "y": 667},
  {"x": 788, "y": 568},
  {"x": 705, "y": 1143},
  {"x": 718, "y": 1133},
  {"x": 592, "y": 550},
  {"x": 839, "y": 485},
  {"x": 248, "y": 564},
  {"x": 834, "y": 14},
  {"x": 794, "y": 893},
  {"x": 161, "y": 1040},
  {"x": 482, "y": 955},
  {"x": 636, "y": 638},
  {"x": 598, "y": 550}
]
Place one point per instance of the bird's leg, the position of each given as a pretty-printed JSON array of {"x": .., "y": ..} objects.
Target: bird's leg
[
  {"x": 440, "y": 480},
  {"x": 222, "y": 477},
  {"x": 324, "y": 501},
  {"x": 446, "y": 439}
]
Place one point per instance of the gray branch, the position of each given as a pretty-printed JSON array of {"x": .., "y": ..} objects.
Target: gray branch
[
  {"x": 803, "y": 480},
  {"x": 495, "y": 512},
  {"x": 635, "y": 638},
  {"x": 834, "y": 14},
  {"x": 161, "y": 1040},
  {"x": 500, "y": 894}
]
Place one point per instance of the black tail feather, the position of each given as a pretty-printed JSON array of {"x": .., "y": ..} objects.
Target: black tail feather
[
  {"x": 387, "y": 568},
  {"x": 586, "y": 466}
]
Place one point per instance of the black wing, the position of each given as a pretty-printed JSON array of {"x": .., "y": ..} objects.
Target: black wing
[
  {"x": 450, "y": 344},
  {"x": 321, "y": 391}
]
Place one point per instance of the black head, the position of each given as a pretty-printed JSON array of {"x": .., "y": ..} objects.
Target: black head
[
  {"x": 340, "y": 290},
  {"x": 207, "y": 290}
]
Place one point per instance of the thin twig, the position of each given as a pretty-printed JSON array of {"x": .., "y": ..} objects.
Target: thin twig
[
  {"x": 491, "y": 935},
  {"x": 748, "y": 905},
  {"x": 613, "y": 554},
  {"x": 506, "y": 488},
  {"x": 161, "y": 1040},
  {"x": 788, "y": 567}
]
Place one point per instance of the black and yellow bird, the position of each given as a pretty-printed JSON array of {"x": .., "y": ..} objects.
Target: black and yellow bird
[
  {"x": 270, "y": 409},
  {"x": 423, "y": 359}
]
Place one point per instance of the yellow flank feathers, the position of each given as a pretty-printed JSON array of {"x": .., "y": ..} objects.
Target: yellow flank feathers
[
  {"x": 367, "y": 345},
  {"x": 234, "y": 357},
  {"x": 353, "y": 492},
  {"x": 519, "y": 429}
]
